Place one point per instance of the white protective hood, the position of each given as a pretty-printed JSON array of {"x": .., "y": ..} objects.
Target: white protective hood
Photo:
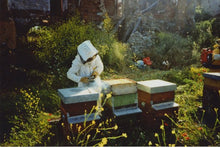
[{"x": 86, "y": 50}]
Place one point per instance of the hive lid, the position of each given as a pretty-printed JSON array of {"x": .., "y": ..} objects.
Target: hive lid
[
  {"x": 77, "y": 95},
  {"x": 156, "y": 86},
  {"x": 212, "y": 75},
  {"x": 122, "y": 86},
  {"x": 120, "y": 81}
]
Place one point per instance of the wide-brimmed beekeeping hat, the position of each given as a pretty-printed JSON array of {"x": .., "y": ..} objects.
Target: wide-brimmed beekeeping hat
[{"x": 86, "y": 50}]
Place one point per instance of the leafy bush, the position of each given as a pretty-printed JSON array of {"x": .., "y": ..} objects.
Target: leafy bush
[
  {"x": 202, "y": 34},
  {"x": 172, "y": 48},
  {"x": 58, "y": 47},
  {"x": 50, "y": 101},
  {"x": 30, "y": 125}
]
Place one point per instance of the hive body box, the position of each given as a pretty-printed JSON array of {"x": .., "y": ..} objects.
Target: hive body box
[
  {"x": 156, "y": 97},
  {"x": 124, "y": 97},
  {"x": 211, "y": 95},
  {"x": 74, "y": 102}
]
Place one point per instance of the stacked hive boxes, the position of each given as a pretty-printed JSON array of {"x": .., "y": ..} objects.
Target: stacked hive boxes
[
  {"x": 74, "y": 103},
  {"x": 155, "y": 98},
  {"x": 124, "y": 97}
]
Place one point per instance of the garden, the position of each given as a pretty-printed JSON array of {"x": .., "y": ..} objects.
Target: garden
[{"x": 30, "y": 105}]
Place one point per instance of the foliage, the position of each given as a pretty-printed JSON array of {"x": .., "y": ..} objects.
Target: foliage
[
  {"x": 49, "y": 101},
  {"x": 202, "y": 34},
  {"x": 170, "y": 50},
  {"x": 201, "y": 14},
  {"x": 58, "y": 47},
  {"x": 30, "y": 124}
]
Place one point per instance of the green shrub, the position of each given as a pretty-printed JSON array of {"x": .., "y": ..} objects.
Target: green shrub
[
  {"x": 58, "y": 48},
  {"x": 172, "y": 48},
  {"x": 30, "y": 124},
  {"x": 202, "y": 34},
  {"x": 50, "y": 101}
]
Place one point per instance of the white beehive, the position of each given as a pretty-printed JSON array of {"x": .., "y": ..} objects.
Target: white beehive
[
  {"x": 77, "y": 95},
  {"x": 156, "y": 86}
]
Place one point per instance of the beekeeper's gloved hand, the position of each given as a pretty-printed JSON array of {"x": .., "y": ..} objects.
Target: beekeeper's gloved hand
[
  {"x": 95, "y": 74},
  {"x": 84, "y": 80}
]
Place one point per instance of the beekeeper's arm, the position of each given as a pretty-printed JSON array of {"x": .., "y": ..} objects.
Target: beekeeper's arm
[
  {"x": 99, "y": 66},
  {"x": 72, "y": 73}
]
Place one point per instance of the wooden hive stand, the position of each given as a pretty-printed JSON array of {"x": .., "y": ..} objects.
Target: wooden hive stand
[{"x": 155, "y": 98}]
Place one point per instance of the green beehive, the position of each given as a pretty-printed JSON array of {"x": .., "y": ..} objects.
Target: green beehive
[{"x": 124, "y": 99}]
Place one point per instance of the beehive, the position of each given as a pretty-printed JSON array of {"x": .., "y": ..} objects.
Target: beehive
[
  {"x": 155, "y": 91},
  {"x": 124, "y": 97},
  {"x": 75, "y": 101},
  {"x": 155, "y": 98}
]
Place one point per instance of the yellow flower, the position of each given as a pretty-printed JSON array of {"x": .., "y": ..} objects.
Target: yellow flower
[
  {"x": 93, "y": 122},
  {"x": 165, "y": 114},
  {"x": 124, "y": 135},
  {"x": 68, "y": 137},
  {"x": 62, "y": 124},
  {"x": 71, "y": 126},
  {"x": 104, "y": 141},
  {"x": 149, "y": 143},
  {"x": 162, "y": 127},
  {"x": 101, "y": 94},
  {"x": 173, "y": 131},
  {"x": 116, "y": 127},
  {"x": 108, "y": 95},
  {"x": 97, "y": 131},
  {"x": 216, "y": 110},
  {"x": 79, "y": 128},
  {"x": 88, "y": 136},
  {"x": 156, "y": 135}
]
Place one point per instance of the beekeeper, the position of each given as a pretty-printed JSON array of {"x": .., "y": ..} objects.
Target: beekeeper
[{"x": 86, "y": 67}]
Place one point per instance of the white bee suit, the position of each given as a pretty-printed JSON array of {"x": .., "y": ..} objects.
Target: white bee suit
[{"x": 78, "y": 70}]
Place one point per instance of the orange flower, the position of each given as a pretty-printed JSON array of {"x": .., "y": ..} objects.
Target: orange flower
[
  {"x": 184, "y": 134},
  {"x": 147, "y": 61},
  {"x": 200, "y": 128},
  {"x": 165, "y": 124},
  {"x": 50, "y": 114},
  {"x": 187, "y": 138}
]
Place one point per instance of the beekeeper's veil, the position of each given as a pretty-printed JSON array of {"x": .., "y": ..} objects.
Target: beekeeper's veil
[{"x": 86, "y": 50}]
